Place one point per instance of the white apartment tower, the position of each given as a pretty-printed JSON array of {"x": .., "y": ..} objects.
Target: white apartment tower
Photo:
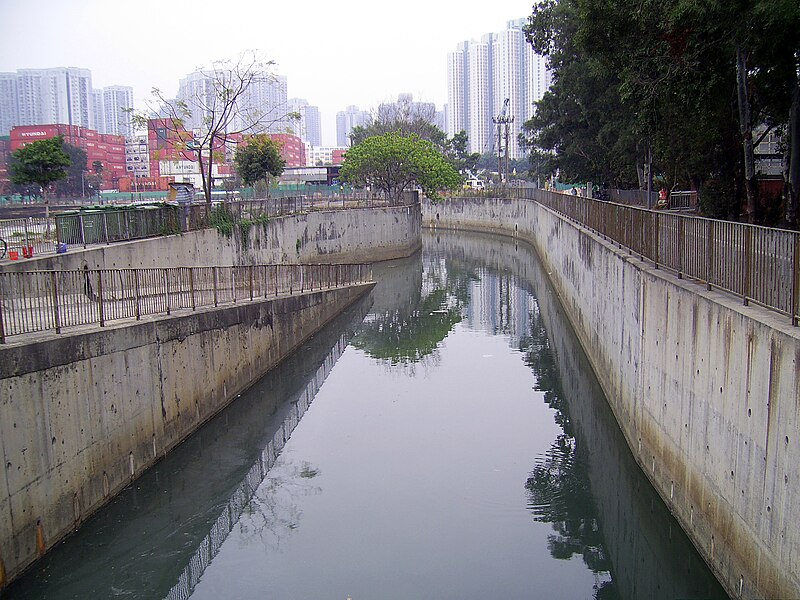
[
  {"x": 350, "y": 117},
  {"x": 98, "y": 122},
  {"x": 60, "y": 95},
  {"x": 265, "y": 102},
  {"x": 482, "y": 75},
  {"x": 117, "y": 107},
  {"x": 308, "y": 126},
  {"x": 479, "y": 94},
  {"x": 262, "y": 108},
  {"x": 456, "y": 89},
  {"x": 9, "y": 103},
  {"x": 507, "y": 77}
]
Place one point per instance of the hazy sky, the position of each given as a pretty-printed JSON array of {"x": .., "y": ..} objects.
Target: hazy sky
[{"x": 333, "y": 53}]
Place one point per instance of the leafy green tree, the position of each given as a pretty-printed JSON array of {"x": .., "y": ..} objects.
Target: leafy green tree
[
  {"x": 405, "y": 118},
  {"x": 418, "y": 126},
  {"x": 258, "y": 158},
  {"x": 393, "y": 163},
  {"x": 681, "y": 81},
  {"x": 462, "y": 160},
  {"x": 73, "y": 184},
  {"x": 41, "y": 163},
  {"x": 582, "y": 122},
  {"x": 95, "y": 179}
]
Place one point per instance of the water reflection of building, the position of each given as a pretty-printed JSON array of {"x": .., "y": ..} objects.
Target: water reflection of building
[
  {"x": 210, "y": 546},
  {"x": 500, "y": 305}
]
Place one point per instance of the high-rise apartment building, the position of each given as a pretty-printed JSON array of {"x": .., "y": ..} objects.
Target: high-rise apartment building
[
  {"x": 42, "y": 96},
  {"x": 9, "y": 103},
  {"x": 98, "y": 112},
  {"x": 60, "y": 95},
  {"x": 350, "y": 117},
  {"x": 266, "y": 102},
  {"x": 482, "y": 75},
  {"x": 308, "y": 127},
  {"x": 261, "y": 108},
  {"x": 117, "y": 107}
]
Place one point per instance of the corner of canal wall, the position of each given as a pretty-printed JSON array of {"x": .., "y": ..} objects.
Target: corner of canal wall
[
  {"x": 134, "y": 392},
  {"x": 83, "y": 414},
  {"x": 353, "y": 235},
  {"x": 705, "y": 390}
]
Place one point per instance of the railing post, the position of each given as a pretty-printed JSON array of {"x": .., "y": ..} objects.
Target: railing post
[
  {"x": 233, "y": 284},
  {"x": 56, "y": 312},
  {"x": 214, "y": 283},
  {"x": 105, "y": 227},
  {"x": 251, "y": 282},
  {"x": 138, "y": 294},
  {"x": 796, "y": 282},
  {"x": 191, "y": 286},
  {"x": 166, "y": 289},
  {"x": 681, "y": 244},
  {"x": 710, "y": 254},
  {"x": 748, "y": 258},
  {"x": 656, "y": 238},
  {"x": 100, "y": 298},
  {"x": 3, "y": 325},
  {"x": 83, "y": 231}
]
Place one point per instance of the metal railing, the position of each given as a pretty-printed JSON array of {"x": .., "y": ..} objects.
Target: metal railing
[
  {"x": 28, "y": 236},
  {"x": 53, "y": 300},
  {"x": 758, "y": 264},
  {"x": 109, "y": 224},
  {"x": 200, "y": 215}
]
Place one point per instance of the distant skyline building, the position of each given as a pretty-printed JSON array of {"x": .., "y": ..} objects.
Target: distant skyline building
[
  {"x": 9, "y": 103},
  {"x": 117, "y": 107},
  {"x": 261, "y": 108},
  {"x": 482, "y": 74},
  {"x": 47, "y": 96},
  {"x": 309, "y": 126},
  {"x": 350, "y": 117},
  {"x": 266, "y": 98},
  {"x": 63, "y": 96},
  {"x": 98, "y": 112}
]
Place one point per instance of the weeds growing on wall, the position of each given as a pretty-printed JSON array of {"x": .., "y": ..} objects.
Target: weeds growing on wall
[
  {"x": 246, "y": 224},
  {"x": 222, "y": 220}
]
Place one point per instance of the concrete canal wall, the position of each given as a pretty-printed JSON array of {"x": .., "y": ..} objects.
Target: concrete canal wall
[
  {"x": 352, "y": 235},
  {"x": 81, "y": 415},
  {"x": 705, "y": 390}
]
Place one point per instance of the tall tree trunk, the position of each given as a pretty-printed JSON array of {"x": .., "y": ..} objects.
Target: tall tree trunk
[
  {"x": 793, "y": 151},
  {"x": 746, "y": 129},
  {"x": 210, "y": 167},
  {"x": 206, "y": 191}
]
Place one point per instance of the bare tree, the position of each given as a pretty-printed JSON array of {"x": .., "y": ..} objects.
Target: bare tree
[{"x": 224, "y": 104}]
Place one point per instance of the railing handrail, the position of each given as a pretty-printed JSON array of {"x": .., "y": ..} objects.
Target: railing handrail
[
  {"x": 36, "y": 301},
  {"x": 759, "y": 264}
]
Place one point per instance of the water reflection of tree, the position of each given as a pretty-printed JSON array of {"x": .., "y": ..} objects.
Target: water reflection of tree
[
  {"x": 272, "y": 510},
  {"x": 558, "y": 487},
  {"x": 409, "y": 335}
]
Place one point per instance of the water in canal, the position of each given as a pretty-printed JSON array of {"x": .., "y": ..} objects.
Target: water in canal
[{"x": 445, "y": 438}]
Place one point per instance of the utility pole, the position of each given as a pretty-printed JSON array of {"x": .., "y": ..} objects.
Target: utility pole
[{"x": 502, "y": 121}]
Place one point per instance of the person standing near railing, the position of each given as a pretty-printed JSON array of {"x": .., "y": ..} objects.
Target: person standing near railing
[{"x": 662, "y": 198}]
